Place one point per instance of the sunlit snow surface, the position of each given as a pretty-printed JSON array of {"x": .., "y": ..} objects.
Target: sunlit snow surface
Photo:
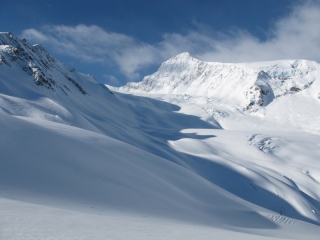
[{"x": 103, "y": 165}]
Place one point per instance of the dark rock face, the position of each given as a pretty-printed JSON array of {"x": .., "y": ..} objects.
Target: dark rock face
[
  {"x": 262, "y": 75},
  {"x": 35, "y": 61},
  {"x": 260, "y": 94},
  {"x": 295, "y": 89},
  {"x": 77, "y": 85}
]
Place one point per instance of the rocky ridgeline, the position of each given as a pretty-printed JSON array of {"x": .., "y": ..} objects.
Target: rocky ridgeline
[
  {"x": 36, "y": 62},
  {"x": 252, "y": 84}
]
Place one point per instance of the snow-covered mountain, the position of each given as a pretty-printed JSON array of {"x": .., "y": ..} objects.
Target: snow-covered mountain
[
  {"x": 249, "y": 85},
  {"x": 38, "y": 63},
  {"x": 199, "y": 150}
]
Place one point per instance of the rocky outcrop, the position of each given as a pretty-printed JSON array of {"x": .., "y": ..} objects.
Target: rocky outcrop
[{"x": 36, "y": 62}]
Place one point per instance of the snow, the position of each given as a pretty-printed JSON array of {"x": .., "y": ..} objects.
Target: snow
[
  {"x": 248, "y": 85},
  {"x": 95, "y": 223},
  {"x": 173, "y": 161}
]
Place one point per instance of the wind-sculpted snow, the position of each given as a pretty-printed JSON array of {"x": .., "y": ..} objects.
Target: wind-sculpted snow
[
  {"x": 189, "y": 165},
  {"x": 249, "y": 85}
]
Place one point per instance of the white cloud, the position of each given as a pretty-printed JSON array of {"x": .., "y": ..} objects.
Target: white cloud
[
  {"x": 294, "y": 36},
  {"x": 111, "y": 79},
  {"x": 93, "y": 44}
]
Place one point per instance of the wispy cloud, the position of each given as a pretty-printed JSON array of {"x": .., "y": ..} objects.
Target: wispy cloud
[
  {"x": 94, "y": 44},
  {"x": 294, "y": 36},
  {"x": 111, "y": 79}
]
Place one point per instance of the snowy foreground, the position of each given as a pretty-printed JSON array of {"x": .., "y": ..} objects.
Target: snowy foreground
[{"x": 78, "y": 161}]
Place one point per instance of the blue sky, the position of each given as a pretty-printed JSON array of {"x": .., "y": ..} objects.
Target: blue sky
[{"x": 120, "y": 40}]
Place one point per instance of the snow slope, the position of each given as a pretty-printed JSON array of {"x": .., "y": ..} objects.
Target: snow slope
[
  {"x": 248, "y": 85},
  {"x": 78, "y": 161}
]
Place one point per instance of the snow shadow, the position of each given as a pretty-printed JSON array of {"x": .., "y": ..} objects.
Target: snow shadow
[{"x": 160, "y": 122}]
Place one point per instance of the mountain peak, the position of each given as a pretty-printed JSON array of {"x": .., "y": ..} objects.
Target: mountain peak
[
  {"x": 248, "y": 85},
  {"x": 6, "y": 33},
  {"x": 6, "y": 38},
  {"x": 36, "y": 62},
  {"x": 182, "y": 57}
]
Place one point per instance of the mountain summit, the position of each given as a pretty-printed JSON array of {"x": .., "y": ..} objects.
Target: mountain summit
[{"x": 248, "y": 85}]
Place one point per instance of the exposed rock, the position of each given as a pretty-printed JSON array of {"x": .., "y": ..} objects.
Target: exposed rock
[
  {"x": 262, "y": 75},
  {"x": 77, "y": 85},
  {"x": 36, "y": 62},
  {"x": 295, "y": 89},
  {"x": 260, "y": 94}
]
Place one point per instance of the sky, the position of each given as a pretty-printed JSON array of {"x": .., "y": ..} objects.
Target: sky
[{"x": 118, "y": 41}]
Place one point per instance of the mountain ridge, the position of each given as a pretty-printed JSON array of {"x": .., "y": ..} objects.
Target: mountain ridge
[
  {"x": 250, "y": 85},
  {"x": 38, "y": 63}
]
